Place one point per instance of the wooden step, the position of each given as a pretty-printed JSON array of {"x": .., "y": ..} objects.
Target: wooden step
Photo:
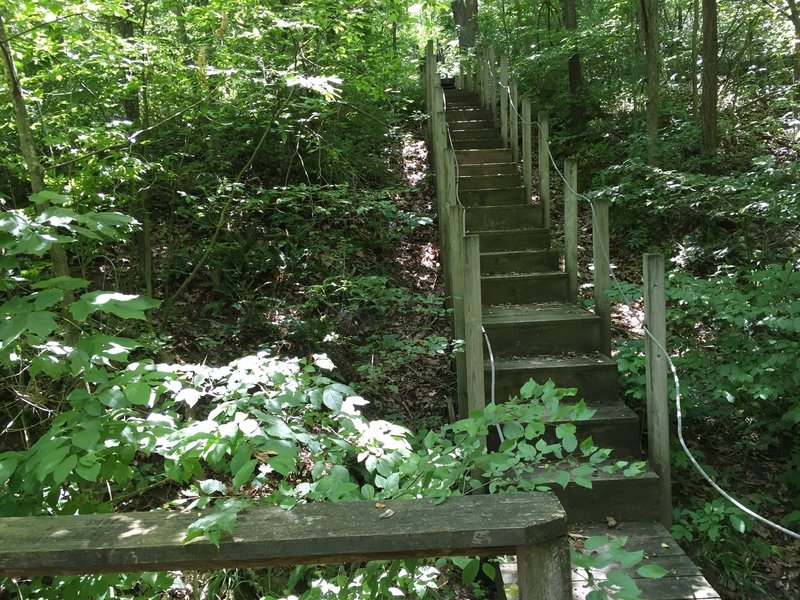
[
  {"x": 480, "y": 143},
  {"x": 515, "y": 239},
  {"x": 475, "y": 133},
  {"x": 455, "y": 115},
  {"x": 523, "y": 288},
  {"x": 612, "y": 495},
  {"x": 473, "y": 124},
  {"x": 483, "y": 182},
  {"x": 456, "y": 94},
  {"x": 507, "y": 218},
  {"x": 526, "y": 330},
  {"x": 500, "y": 168},
  {"x": 493, "y": 263},
  {"x": 683, "y": 582},
  {"x": 482, "y": 156},
  {"x": 493, "y": 197},
  {"x": 613, "y": 426},
  {"x": 594, "y": 375}
]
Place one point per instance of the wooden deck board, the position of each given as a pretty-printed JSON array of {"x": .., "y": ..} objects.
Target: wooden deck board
[{"x": 684, "y": 581}]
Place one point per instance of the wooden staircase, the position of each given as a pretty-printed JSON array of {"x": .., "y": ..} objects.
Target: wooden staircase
[{"x": 536, "y": 333}]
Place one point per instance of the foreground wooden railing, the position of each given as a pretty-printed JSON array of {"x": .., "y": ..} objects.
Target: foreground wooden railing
[{"x": 531, "y": 525}]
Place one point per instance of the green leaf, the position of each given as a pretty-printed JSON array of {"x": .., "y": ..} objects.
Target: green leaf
[
  {"x": 562, "y": 478},
  {"x": 738, "y": 524},
  {"x": 470, "y": 571},
  {"x": 211, "y": 486},
  {"x": 61, "y": 283},
  {"x": 595, "y": 542},
  {"x": 489, "y": 570},
  {"x": 49, "y": 196},
  {"x": 62, "y": 471},
  {"x": 85, "y": 439},
  {"x": 89, "y": 473},
  {"x": 244, "y": 474},
  {"x": 652, "y": 571},
  {"x": 124, "y": 306},
  {"x": 8, "y": 464}
]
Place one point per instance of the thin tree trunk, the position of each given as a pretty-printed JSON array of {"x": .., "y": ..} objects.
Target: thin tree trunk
[
  {"x": 574, "y": 69},
  {"x": 693, "y": 66},
  {"x": 35, "y": 170},
  {"x": 649, "y": 10},
  {"x": 708, "y": 102}
]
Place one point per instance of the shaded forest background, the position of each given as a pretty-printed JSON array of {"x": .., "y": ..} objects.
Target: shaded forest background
[{"x": 218, "y": 202}]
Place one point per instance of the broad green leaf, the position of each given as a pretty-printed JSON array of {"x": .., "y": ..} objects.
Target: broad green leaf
[
  {"x": 62, "y": 470},
  {"x": 61, "y": 283},
  {"x": 652, "y": 571},
  {"x": 562, "y": 478},
  {"x": 124, "y": 306},
  {"x": 244, "y": 474},
  {"x": 8, "y": 464},
  {"x": 139, "y": 393},
  {"x": 211, "y": 486},
  {"x": 89, "y": 473},
  {"x": 85, "y": 439},
  {"x": 470, "y": 571},
  {"x": 595, "y": 542},
  {"x": 49, "y": 196}
]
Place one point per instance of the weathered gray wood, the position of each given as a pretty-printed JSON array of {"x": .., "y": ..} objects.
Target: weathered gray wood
[
  {"x": 504, "y": 101},
  {"x": 492, "y": 81},
  {"x": 514, "y": 124},
  {"x": 527, "y": 150},
  {"x": 429, "y": 79},
  {"x": 543, "y": 571},
  {"x": 473, "y": 336},
  {"x": 314, "y": 533},
  {"x": 656, "y": 375},
  {"x": 602, "y": 270},
  {"x": 544, "y": 164},
  {"x": 571, "y": 228}
]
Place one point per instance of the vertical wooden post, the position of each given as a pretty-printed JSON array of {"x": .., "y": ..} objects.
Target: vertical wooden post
[
  {"x": 492, "y": 82},
  {"x": 527, "y": 142},
  {"x": 514, "y": 114},
  {"x": 473, "y": 336},
  {"x": 430, "y": 65},
  {"x": 602, "y": 270},
  {"x": 456, "y": 262},
  {"x": 544, "y": 165},
  {"x": 571, "y": 228},
  {"x": 656, "y": 373},
  {"x": 444, "y": 167},
  {"x": 544, "y": 571},
  {"x": 504, "y": 101},
  {"x": 484, "y": 70}
]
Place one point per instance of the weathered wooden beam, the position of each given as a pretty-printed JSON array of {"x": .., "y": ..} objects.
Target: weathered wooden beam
[
  {"x": 571, "y": 228},
  {"x": 514, "y": 114},
  {"x": 602, "y": 271},
  {"x": 527, "y": 151},
  {"x": 316, "y": 533},
  {"x": 492, "y": 76},
  {"x": 544, "y": 571},
  {"x": 473, "y": 336},
  {"x": 544, "y": 165},
  {"x": 656, "y": 369},
  {"x": 504, "y": 101}
]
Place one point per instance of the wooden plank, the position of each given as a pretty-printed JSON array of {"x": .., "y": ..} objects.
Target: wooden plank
[
  {"x": 544, "y": 164},
  {"x": 313, "y": 533},
  {"x": 527, "y": 159},
  {"x": 514, "y": 128},
  {"x": 602, "y": 269},
  {"x": 492, "y": 81},
  {"x": 473, "y": 336},
  {"x": 656, "y": 376},
  {"x": 544, "y": 571},
  {"x": 504, "y": 101},
  {"x": 571, "y": 228}
]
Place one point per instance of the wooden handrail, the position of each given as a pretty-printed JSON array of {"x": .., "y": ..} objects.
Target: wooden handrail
[{"x": 531, "y": 525}]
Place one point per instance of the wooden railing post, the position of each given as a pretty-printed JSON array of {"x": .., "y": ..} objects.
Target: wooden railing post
[
  {"x": 514, "y": 113},
  {"x": 544, "y": 165},
  {"x": 527, "y": 142},
  {"x": 504, "y": 100},
  {"x": 456, "y": 262},
  {"x": 571, "y": 228},
  {"x": 484, "y": 72},
  {"x": 492, "y": 83},
  {"x": 473, "y": 337},
  {"x": 656, "y": 374},
  {"x": 428, "y": 82},
  {"x": 602, "y": 270},
  {"x": 543, "y": 571}
]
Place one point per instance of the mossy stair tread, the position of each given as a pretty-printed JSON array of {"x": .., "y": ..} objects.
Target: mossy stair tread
[
  {"x": 499, "y": 277},
  {"x": 684, "y": 581},
  {"x": 517, "y": 314},
  {"x": 551, "y": 363}
]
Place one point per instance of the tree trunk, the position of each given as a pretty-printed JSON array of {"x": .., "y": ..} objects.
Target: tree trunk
[
  {"x": 708, "y": 102},
  {"x": 794, "y": 15},
  {"x": 649, "y": 13},
  {"x": 465, "y": 15},
  {"x": 693, "y": 66},
  {"x": 35, "y": 170},
  {"x": 575, "y": 71}
]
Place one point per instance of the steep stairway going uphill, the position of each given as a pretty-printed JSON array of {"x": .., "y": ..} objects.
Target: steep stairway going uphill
[{"x": 535, "y": 332}]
